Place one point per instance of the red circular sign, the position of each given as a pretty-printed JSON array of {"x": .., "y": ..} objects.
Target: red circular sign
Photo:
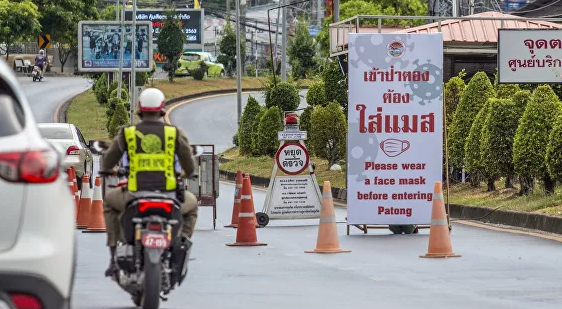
[{"x": 292, "y": 158}]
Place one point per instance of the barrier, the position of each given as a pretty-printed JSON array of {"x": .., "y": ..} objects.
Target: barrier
[{"x": 206, "y": 186}]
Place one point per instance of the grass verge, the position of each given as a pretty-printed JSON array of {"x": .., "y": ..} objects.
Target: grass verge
[{"x": 88, "y": 115}]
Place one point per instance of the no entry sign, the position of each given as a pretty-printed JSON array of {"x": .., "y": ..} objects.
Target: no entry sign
[{"x": 292, "y": 158}]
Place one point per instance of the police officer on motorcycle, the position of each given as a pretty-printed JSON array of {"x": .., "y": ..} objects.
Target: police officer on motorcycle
[{"x": 148, "y": 140}]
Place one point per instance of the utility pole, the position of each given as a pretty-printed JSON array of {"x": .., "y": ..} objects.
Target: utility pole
[
  {"x": 228, "y": 9},
  {"x": 284, "y": 46},
  {"x": 276, "y": 35},
  {"x": 471, "y": 7},
  {"x": 238, "y": 62},
  {"x": 336, "y": 10},
  {"x": 117, "y": 10},
  {"x": 456, "y": 8},
  {"x": 133, "y": 83},
  {"x": 121, "y": 51},
  {"x": 319, "y": 14}
]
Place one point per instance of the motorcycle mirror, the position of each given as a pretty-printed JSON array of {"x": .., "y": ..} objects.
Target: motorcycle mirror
[
  {"x": 98, "y": 146},
  {"x": 197, "y": 151}
]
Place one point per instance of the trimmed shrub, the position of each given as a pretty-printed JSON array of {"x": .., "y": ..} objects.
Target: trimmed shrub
[
  {"x": 305, "y": 125},
  {"x": 120, "y": 118},
  {"x": 101, "y": 89},
  {"x": 112, "y": 104},
  {"x": 328, "y": 132},
  {"x": 532, "y": 135},
  {"x": 335, "y": 85},
  {"x": 497, "y": 138},
  {"x": 124, "y": 93},
  {"x": 475, "y": 95},
  {"x": 270, "y": 124},
  {"x": 199, "y": 72},
  {"x": 472, "y": 159},
  {"x": 453, "y": 93},
  {"x": 235, "y": 140},
  {"x": 141, "y": 78},
  {"x": 521, "y": 98},
  {"x": 506, "y": 91},
  {"x": 554, "y": 151},
  {"x": 251, "y": 109},
  {"x": 285, "y": 96},
  {"x": 255, "y": 131},
  {"x": 315, "y": 94}
]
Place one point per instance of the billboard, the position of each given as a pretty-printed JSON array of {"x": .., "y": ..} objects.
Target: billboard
[
  {"x": 529, "y": 56},
  {"x": 395, "y": 127},
  {"x": 191, "y": 22},
  {"x": 99, "y": 46}
]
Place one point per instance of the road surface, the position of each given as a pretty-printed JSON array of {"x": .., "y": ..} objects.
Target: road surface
[
  {"x": 214, "y": 120},
  {"x": 45, "y": 96}
]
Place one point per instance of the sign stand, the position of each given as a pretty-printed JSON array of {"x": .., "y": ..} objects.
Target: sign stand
[{"x": 294, "y": 196}]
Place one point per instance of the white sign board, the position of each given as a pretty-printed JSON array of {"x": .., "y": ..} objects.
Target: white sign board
[
  {"x": 294, "y": 197},
  {"x": 292, "y": 158},
  {"x": 395, "y": 127},
  {"x": 291, "y": 136},
  {"x": 529, "y": 56}
]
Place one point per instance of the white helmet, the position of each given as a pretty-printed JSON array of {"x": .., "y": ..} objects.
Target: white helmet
[
  {"x": 151, "y": 100},
  {"x": 41, "y": 52}
]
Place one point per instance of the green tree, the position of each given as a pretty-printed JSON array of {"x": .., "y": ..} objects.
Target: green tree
[
  {"x": 170, "y": 42},
  {"x": 315, "y": 94},
  {"x": 305, "y": 125},
  {"x": 453, "y": 93},
  {"x": 19, "y": 20},
  {"x": 532, "y": 136},
  {"x": 472, "y": 149},
  {"x": 256, "y": 131},
  {"x": 335, "y": 85},
  {"x": 285, "y": 96},
  {"x": 328, "y": 132},
  {"x": 497, "y": 139},
  {"x": 554, "y": 151},
  {"x": 101, "y": 88},
  {"x": 251, "y": 109},
  {"x": 301, "y": 51},
  {"x": 475, "y": 95},
  {"x": 227, "y": 47},
  {"x": 120, "y": 118},
  {"x": 270, "y": 124}
]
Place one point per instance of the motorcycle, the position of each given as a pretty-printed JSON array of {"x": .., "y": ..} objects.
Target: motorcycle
[
  {"x": 37, "y": 73},
  {"x": 151, "y": 259}
]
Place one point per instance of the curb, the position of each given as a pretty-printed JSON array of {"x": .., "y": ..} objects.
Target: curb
[{"x": 62, "y": 109}]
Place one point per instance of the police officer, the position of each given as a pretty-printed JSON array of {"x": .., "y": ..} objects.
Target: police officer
[{"x": 149, "y": 139}]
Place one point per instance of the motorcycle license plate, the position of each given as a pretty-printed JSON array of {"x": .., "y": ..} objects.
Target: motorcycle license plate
[{"x": 157, "y": 241}]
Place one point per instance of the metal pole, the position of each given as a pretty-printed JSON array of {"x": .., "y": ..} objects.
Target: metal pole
[
  {"x": 121, "y": 51},
  {"x": 117, "y": 10},
  {"x": 133, "y": 83},
  {"x": 455, "y": 8},
  {"x": 238, "y": 62},
  {"x": 276, "y": 34},
  {"x": 271, "y": 48},
  {"x": 336, "y": 10},
  {"x": 284, "y": 46},
  {"x": 319, "y": 13}
]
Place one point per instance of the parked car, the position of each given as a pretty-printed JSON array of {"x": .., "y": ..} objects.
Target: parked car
[
  {"x": 70, "y": 139},
  {"x": 190, "y": 60},
  {"x": 37, "y": 243}
]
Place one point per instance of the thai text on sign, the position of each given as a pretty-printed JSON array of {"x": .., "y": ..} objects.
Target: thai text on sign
[{"x": 395, "y": 127}]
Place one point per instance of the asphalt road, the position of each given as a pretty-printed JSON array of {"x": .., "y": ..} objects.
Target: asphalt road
[
  {"x": 46, "y": 95},
  {"x": 214, "y": 120}
]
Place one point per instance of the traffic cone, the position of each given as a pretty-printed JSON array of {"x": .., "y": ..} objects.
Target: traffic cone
[
  {"x": 252, "y": 197},
  {"x": 439, "y": 237},
  {"x": 96, "y": 222},
  {"x": 69, "y": 181},
  {"x": 236, "y": 206},
  {"x": 327, "y": 230},
  {"x": 246, "y": 232},
  {"x": 76, "y": 192},
  {"x": 85, "y": 204}
]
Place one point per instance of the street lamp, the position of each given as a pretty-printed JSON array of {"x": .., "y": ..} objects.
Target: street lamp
[{"x": 270, "y": 42}]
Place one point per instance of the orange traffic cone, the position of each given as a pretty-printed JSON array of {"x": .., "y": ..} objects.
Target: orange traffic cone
[
  {"x": 85, "y": 204},
  {"x": 247, "y": 175},
  {"x": 96, "y": 223},
  {"x": 327, "y": 230},
  {"x": 69, "y": 181},
  {"x": 246, "y": 233},
  {"x": 236, "y": 206},
  {"x": 439, "y": 237}
]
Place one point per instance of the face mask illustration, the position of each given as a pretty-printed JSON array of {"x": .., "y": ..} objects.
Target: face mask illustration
[{"x": 393, "y": 147}]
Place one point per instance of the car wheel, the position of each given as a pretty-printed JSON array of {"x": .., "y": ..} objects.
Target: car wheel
[{"x": 223, "y": 74}]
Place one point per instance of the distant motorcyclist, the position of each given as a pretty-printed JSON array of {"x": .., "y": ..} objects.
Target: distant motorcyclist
[
  {"x": 149, "y": 141},
  {"x": 40, "y": 60}
]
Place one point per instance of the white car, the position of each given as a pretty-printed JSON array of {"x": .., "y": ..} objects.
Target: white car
[{"x": 37, "y": 229}]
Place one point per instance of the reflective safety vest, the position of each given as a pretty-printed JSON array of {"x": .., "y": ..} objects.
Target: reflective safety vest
[{"x": 151, "y": 166}]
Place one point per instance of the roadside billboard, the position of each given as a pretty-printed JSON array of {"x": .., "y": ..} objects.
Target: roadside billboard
[
  {"x": 191, "y": 22},
  {"x": 529, "y": 56},
  {"x": 99, "y": 46},
  {"x": 395, "y": 127}
]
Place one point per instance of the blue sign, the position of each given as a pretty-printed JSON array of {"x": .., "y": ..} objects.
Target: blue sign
[{"x": 312, "y": 30}]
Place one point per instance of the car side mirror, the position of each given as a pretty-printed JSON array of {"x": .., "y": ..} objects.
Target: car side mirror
[{"x": 98, "y": 147}]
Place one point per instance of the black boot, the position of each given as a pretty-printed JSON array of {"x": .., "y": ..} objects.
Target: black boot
[{"x": 112, "y": 266}]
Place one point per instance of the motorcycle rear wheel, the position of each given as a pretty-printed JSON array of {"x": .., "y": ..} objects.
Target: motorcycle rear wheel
[{"x": 152, "y": 284}]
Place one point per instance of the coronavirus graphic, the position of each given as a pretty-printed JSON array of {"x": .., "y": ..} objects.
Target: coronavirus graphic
[
  {"x": 366, "y": 149},
  {"x": 426, "y": 91},
  {"x": 372, "y": 51}
]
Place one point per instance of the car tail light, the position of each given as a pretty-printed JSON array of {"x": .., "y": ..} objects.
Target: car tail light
[
  {"x": 24, "y": 301},
  {"x": 165, "y": 205},
  {"x": 73, "y": 150},
  {"x": 29, "y": 166}
]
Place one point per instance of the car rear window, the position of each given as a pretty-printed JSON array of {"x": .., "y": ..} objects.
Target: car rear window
[
  {"x": 55, "y": 132},
  {"x": 191, "y": 57}
]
